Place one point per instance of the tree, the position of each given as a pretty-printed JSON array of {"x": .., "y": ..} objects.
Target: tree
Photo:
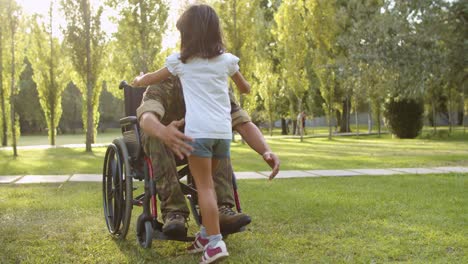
[
  {"x": 27, "y": 104},
  {"x": 14, "y": 63},
  {"x": 141, "y": 25},
  {"x": 3, "y": 90},
  {"x": 291, "y": 34},
  {"x": 86, "y": 42},
  {"x": 239, "y": 20},
  {"x": 323, "y": 27},
  {"x": 50, "y": 72},
  {"x": 268, "y": 90},
  {"x": 138, "y": 41},
  {"x": 111, "y": 109},
  {"x": 72, "y": 103},
  {"x": 265, "y": 74}
]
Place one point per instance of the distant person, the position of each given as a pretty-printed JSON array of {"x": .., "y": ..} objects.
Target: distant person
[
  {"x": 303, "y": 122},
  {"x": 301, "y": 118}
]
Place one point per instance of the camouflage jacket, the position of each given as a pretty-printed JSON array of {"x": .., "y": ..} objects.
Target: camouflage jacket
[{"x": 166, "y": 100}]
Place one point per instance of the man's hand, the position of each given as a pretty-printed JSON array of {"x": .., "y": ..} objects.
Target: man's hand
[
  {"x": 176, "y": 140},
  {"x": 274, "y": 163},
  {"x": 136, "y": 81}
]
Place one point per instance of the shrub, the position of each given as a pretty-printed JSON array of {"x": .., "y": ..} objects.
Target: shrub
[{"x": 404, "y": 117}]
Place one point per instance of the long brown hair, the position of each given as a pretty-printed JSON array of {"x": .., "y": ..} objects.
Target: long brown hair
[{"x": 200, "y": 33}]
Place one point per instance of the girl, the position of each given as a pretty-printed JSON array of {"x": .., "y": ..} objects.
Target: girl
[{"x": 203, "y": 67}]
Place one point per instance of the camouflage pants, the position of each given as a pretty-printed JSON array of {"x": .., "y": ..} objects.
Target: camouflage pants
[{"x": 167, "y": 183}]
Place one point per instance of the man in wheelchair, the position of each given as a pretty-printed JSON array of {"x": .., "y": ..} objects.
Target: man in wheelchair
[{"x": 160, "y": 117}]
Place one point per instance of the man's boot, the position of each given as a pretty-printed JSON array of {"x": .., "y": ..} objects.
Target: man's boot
[
  {"x": 231, "y": 221},
  {"x": 175, "y": 225}
]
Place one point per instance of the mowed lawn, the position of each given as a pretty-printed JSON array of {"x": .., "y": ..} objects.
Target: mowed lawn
[
  {"x": 365, "y": 219},
  {"x": 350, "y": 152},
  {"x": 404, "y": 219}
]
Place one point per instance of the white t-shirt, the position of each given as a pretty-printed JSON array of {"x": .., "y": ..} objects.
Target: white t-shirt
[{"x": 205, "y": 86}]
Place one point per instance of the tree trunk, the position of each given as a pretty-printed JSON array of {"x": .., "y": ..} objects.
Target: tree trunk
[
  {"x": 89, "y": 87},
  {"x": 52, "y": 85},
  {"x": 284, "y": 126},
  {"x": 369, "y": 119},
  {"x": 12, "y": 91},
  {"x": 329, "y": 122},
  {"x": 434, "y": 121},
  {"x": 52, "y": 128},
  {"x": 2, "y": 95},
  {"x": 292, "y": 110},
  {"x": 300, "y": 125},
  {"x": 338, "y": 120},
  {"x": 294, "y": 126},
  {"x": 450, "y": 114},
  {"x": 379, "y": 125},
  {"x": 271, "y": 122},
  {"x": 356, "y": 119},
  {"x": 344, "y": 122},
  {"x": 461, "y": 109},
  {"x": 464, "y": 110}
]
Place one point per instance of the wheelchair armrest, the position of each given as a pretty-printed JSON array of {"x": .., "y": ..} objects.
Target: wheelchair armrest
[
  {"x": 131, "y": 136},
  {"x": 128, "y": 120}
]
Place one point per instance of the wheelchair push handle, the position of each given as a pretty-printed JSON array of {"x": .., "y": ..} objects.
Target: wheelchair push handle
[{"x": 124, "y": 84}]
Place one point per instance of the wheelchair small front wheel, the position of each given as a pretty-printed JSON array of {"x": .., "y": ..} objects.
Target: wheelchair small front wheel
[{"x": 145, "y": 234}]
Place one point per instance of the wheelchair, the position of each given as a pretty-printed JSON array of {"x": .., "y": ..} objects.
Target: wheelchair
[{"x": 126, "y": 162}]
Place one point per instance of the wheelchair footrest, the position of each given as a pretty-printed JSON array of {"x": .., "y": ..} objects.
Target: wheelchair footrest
[
  {"x": 230, "y": 232},
  {"x": 161, "y": 236}
]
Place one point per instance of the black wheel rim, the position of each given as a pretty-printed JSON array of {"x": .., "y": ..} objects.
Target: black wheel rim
[{"x": 112, "y": 190}]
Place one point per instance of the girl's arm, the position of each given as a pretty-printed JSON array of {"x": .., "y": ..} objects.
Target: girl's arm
[
  {"x": 241, "y": 83},
  {"x": 151, "y": 78},
  {"x": 254, "y": 137}
]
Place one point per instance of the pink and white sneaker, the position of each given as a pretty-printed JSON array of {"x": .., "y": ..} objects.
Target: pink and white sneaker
[
  {"x": 211, "y": 254},
  {"x": 198, "y": 245}
]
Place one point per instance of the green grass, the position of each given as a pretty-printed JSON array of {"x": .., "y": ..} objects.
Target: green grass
[
  {"x": 79, "y": 138},
  {"x": 351, "y": 152},
  {"x": 320, "y": 131},
  {"x": 359, "y": 152},
  {"x": 404, "y": 218}
]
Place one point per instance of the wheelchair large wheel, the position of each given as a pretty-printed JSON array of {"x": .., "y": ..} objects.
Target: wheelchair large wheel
[{"x": 117, "y": 188}]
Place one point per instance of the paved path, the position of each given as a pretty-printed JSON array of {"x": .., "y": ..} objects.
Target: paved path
[
  {"x": 26, "y": 179},
  {"x": 97, "y": 145}
]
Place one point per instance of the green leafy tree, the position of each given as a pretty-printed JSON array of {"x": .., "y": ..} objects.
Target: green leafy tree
[
  {"x": 27, "y": 104},
  {"x": 239, "y": 20},
  {"x": 86, "y": 42},
  {"x": 268, "y": 90},
  {"x": 111, "y": 109},
  {"x": 457, "y": 45},
  {"x": 323, "y": 27},
  {"x": 138, "y": 42},
  {"x": 72, "y": 103},
  {"x": 291, "y": 33},
  {"x": 50, "y": 71},
  {"x": 14, "y": 63},
  {"x": 356, "y": 40},
  {"x": 265, "y": 75}
]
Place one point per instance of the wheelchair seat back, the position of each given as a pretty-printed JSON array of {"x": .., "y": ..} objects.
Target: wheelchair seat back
[
  {"x": 129, "y": 124},
  {"x": 132, "y": 98}
]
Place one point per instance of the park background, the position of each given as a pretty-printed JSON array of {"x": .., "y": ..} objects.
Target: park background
[
  {"x": 344, "y": 63},
  {"x": 383, "y": 84}
]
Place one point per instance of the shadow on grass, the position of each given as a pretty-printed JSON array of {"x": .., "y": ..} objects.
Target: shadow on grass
[{"x": 52, "y": 161}]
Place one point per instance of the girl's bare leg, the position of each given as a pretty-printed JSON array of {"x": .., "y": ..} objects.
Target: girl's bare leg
[{"x": 201, "y": 169}]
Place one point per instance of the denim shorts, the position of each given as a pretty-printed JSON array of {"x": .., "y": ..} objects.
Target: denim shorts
[{"x": 211, "y": 148}]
